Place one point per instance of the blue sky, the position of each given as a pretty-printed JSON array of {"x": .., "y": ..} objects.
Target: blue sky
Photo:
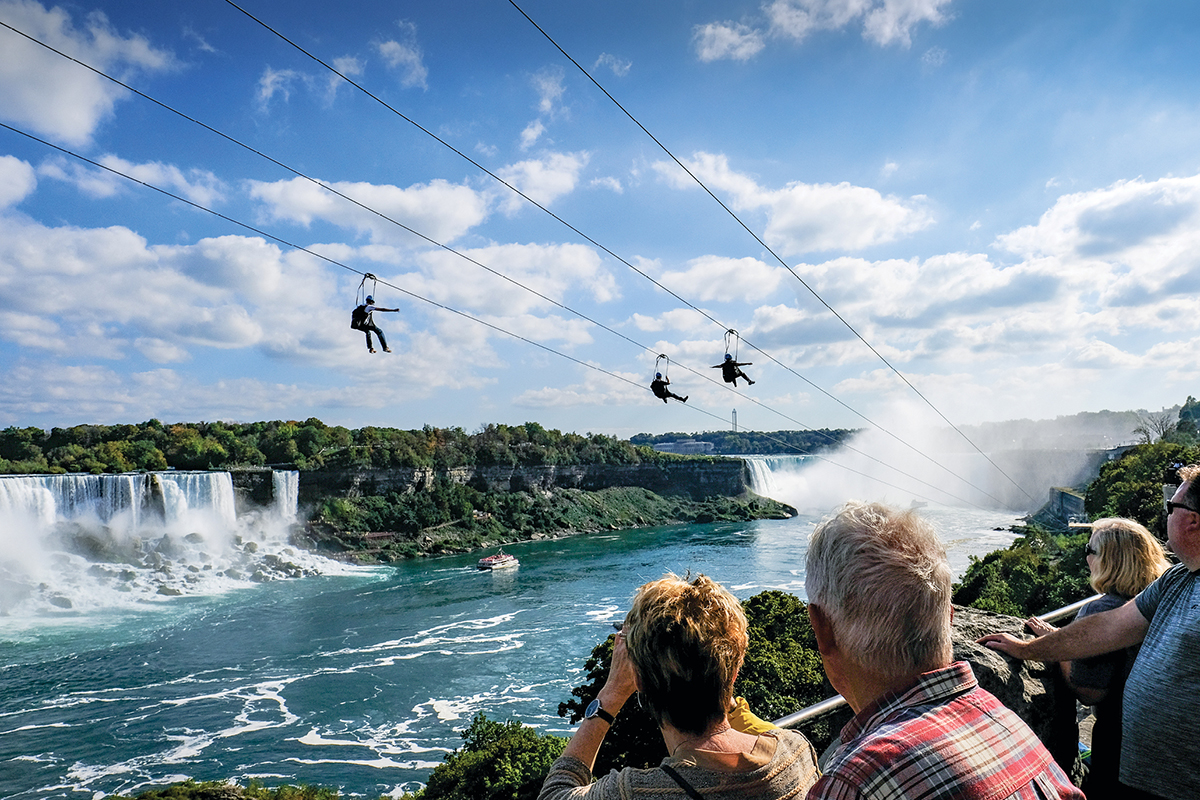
[{"x": 1000, "y": 198}]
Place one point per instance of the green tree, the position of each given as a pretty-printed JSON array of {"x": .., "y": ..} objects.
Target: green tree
[
  {"x": 497, "y": 761},
  {"x": 1131, "y": 486},
  {"x": 1039, "y": 572}
]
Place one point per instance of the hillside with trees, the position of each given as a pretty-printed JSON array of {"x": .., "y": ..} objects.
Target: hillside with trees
[
  {"x": 747, "y": 442},
  {"x": 307, "y": 445}
]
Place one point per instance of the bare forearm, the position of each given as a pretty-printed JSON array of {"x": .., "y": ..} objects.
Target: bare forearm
[{"x": 1083, "y": 638}]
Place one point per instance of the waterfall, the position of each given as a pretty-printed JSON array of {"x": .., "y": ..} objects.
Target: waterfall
[
  {"x": 286, "y": 491},
  {"x": 77, "y": 544},
  {"x": 51, "y": 498},
  {"x": 186, "y": 493},
  {"x": 781, "y": 478}
]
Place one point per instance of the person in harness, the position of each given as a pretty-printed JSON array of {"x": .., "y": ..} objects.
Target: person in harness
[
  {"x": 731, "y": 370},
  {"x": 659, "y": 387},
  {"x": 361, "y": 320}
]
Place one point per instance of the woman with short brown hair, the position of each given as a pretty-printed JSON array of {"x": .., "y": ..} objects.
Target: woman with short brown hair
[{"x": 682, "y": 645}]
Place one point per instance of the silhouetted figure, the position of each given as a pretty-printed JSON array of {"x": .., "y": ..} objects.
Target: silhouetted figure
[
  {"x": 731, "y": 370},
  {"x": 659, "y": 387}
]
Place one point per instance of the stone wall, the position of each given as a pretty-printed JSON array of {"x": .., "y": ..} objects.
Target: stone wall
[
  {"x": 253, "y": 487},
  {"x": 693, "y": 479}
]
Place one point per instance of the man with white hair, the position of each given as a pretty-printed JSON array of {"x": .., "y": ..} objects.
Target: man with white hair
[{"x": 878, "y": 586}]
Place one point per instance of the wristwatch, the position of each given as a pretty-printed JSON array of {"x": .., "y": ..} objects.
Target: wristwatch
[{"x": 594, "y": 709}]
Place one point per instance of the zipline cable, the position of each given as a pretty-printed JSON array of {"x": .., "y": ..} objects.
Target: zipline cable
[
  {"x": 628, "y": 264},
  {"x": 451, "y": 250},
  {"x": 768, "y": 248},
  {"x": 414, "y": 295}
]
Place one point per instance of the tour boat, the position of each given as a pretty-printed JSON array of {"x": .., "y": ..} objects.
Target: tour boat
[{"x": 501, "y": 560}]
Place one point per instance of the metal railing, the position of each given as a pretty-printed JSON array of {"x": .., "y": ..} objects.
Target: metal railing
[{"x": 837, "y": 701}]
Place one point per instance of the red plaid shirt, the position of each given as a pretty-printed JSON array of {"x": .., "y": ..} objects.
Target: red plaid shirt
[{"x": 942, "y": 738}]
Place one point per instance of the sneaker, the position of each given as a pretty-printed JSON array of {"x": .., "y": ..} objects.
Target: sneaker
[
  {"x": 387, "y": 349},
  {"x": 370, "y": 349},
  {"x": 749, "y": 381},
  {"x": 685, "y": 397}
]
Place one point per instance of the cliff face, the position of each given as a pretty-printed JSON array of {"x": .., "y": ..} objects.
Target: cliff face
[{"x": 695, "y": 480}]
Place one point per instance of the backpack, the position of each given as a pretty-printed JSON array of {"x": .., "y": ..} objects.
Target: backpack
[{"x": 358, "y": 318}]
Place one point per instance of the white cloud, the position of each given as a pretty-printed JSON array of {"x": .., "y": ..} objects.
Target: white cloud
[
  {"x": 160, "y": 351},
  {"x": 933, "y": 58},
  {"x": 543, "y": 180},
  {"x": 53, "y": 96},
  {"x": 277, "y": 81},
  {"x": 347, "y": 65},
  {"x": 883, "y": 21},
  {"x": 609, "y": 183},
  {"x": 17, "y": 180},
  {"x": 726, "y": 40},
  {"x": 440, "y": 210},
  {"x": 677, "y": 319},
  {"x": 1134, "y": 243},
  {"x": 804, "y": 217},
  {"x": 594, "y": 388},
  {"x": 619, "y": 66},
  {"x": 549, "y": 85},
  {"x": 532, "y": 132},
  {"x": 199, "y": 186},
  {"x": 405, "y": 55},
  {"x": 710, "y": 278},
  {"x": 113, "y": 296},
  {"x": 555, "y": 271}
]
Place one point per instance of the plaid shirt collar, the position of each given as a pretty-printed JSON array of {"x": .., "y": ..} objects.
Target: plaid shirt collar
[{"x": 931, "y": 688}]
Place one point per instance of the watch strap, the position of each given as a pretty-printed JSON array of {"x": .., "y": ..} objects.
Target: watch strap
[{"x": 597, "y": 710}]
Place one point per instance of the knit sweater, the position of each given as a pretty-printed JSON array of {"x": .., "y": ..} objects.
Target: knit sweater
[{"x": 782, "y": 766}]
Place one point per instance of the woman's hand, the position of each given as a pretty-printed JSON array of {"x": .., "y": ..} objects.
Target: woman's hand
[
  {"x": 622, "y": 680},
  {"x": 1038, "y": 626}
]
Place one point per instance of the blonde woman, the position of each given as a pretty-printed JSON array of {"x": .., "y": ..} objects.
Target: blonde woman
[
  {"x": 681, "y": 646},
  {"x": 1124, "y": 558}
]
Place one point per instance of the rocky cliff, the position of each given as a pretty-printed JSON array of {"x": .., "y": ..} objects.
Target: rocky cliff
[{"x": 695, "y": 479}]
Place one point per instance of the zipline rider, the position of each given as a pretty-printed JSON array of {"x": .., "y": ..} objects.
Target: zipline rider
[{"x": 361, "y": 319}]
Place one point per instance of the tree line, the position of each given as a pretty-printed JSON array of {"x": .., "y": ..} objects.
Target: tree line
[
  {"x": 747, "y": 442},
  {"x": 307, "y": 445}
]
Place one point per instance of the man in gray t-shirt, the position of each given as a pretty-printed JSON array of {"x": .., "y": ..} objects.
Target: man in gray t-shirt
[{"x": 1160, "y": 747}]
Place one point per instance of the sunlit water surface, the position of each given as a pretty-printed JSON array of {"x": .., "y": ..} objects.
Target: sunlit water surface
[{"x": 360, "y": 680}]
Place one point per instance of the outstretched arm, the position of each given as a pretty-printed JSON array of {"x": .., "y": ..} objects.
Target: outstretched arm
[
  {"x": 1089, "y": 695},
  {"x": 1099, "y": 633}
]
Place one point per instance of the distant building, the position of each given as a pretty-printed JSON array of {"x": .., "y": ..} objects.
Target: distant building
[
  {"x": 685, "y": 447},
  {"x": 1066, "y": 504}
]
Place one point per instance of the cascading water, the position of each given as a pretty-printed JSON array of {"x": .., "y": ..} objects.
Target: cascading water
[
  {"x": 778, "y": 477},
  {"x": 286, "y": 488},
  {"x": 72, "y": 544}
]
